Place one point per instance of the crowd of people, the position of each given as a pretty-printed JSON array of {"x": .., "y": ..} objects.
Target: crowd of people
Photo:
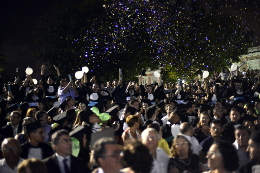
[{"x": 58, "y": 125}]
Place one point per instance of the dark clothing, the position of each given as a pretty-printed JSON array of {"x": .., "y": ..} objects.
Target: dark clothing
[
  {"x": 7, "y": 131},
  {"x": 119, "y": 94},
  {"x": 248, "y": 167},
  {"x": 167, "y": 133},
  {"x": 46, "y": 150},
  {"x": 191, "y": 165},
  {"x": 50, "y": 90},
  {"x": 229, "y": 130},
  {"x": 77, "y": 165},
  {"x": 199, "y": 135},
  {"x": 206, "y": 144}
]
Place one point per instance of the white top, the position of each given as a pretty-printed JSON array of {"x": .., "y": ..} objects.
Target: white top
[
  {"x": 195, "y": 146},
  {"x": 242, "y": 156},
  {"x": 175, "y": 129},
  {"x": 160, "y": 164},
  {"x": 60, "y": 162},
  {"x": 4, "y": 168}
]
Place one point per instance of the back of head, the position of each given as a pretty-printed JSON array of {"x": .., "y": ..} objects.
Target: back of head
[
  {"x": 34, "y": 165},
  {"x": 149, "y": 113},
  {"x": 39, "y": 115},
  {"x": 185, "y": 127},
  {"x": 154, "y": 126},
  {"x": 137, "y": 156}
]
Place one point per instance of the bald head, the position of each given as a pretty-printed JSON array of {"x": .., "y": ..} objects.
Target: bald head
[
  {"x": 186, "y": 129},
  {"x": 11, "y": 150}
]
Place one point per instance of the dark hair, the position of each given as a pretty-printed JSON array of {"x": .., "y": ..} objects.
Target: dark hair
[
  {"x": 35, "y": 166},
  {"x": 56, "y": 136},
  {"x": 229, "y": 155},
  {"x": 173, "y": 148},
  {"x": 149, "y": 113},
  {"x": 199, "y": 123},
  {"x": 17, "y": 113},
  {"x": 133, "y": 101},
  {"x": 243, "y": 128},
  {"x": 79, "y": 118},
  {"x": 71, "y": 115},
  {"x": 100, "y": 148},
  {"x": 236, "y": 109},
  {"x": 154, "y": 126},
  {"x": 131, "y": 119},
  {"x": 189, "y": 104},
  {"x": 39, "y": 115},
  {"x": 137, "y": 156},
  {"x": 215, "y": 121}
]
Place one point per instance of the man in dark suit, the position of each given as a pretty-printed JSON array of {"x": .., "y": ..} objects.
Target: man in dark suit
[
  {"x": 14, "y": 127},
  {"x": 62, "y": 161}
]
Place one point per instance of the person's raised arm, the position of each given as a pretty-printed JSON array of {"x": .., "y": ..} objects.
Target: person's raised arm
[{"x": 57, "y": 70}]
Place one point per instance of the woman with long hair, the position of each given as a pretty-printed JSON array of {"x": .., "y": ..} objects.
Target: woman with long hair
[{"x": 201, "y": 132}]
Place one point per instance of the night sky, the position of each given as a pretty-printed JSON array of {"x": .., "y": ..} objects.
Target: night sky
[{"x": 18, "y": 23}]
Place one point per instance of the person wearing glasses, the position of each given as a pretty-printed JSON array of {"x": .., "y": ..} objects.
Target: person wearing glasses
[
  {"x": 63, "y": 161},
  {"x": 14, "y": 127},
  {"x": 222, "y": 157},
  {"x": 182, "y": 158},
  {"x": 11, "y": 150},
  {"x": 150, "y": 138},
  {"x": 107, "y": 156}
]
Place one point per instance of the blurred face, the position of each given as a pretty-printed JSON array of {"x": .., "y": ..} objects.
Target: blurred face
[
  {"x": 82, "y": 106},
  {"x": 112, "y": 160},
  {"x": 242, "y": 138},
  {"x": 193, "y": 108},
  {"x": 145, "y": 106},
  {"x": 14, "y": 119},
  {"x": 219, "y": 113},
  {"x": 95, "y": 88},
  {"x": 204, "y": 119},
  {"x": 102, "y": 86},
  {"x": 218, "y": 105},
  {"x": 108, "y": 84},
  {"x": 150, "y": 139},
  {"x": 234, "y": 116},
  {"x": 33, "y": 113},
  {"x": 64, "y": 83},
  {"x": 182, "y": 147},
  {"x": 257, "y": 105},
  {"x": 250, "y": 125},
  {"x": 250, "y": 112},
  {"x": 49, "y": 81},
  {"x": 41, "y": 106},
  {"x": 216, "y": 130},
  {"x": 94, "y": 119},
  {"x": 44, "y": 119},
  {"x": 136, "y": 105},
  {"x": 169, "y": 109},
  {"x": 38, "y": 135},
  {"x": 11, "y": 150},
  {"x": 115, "y": 83},
  {"x": 253, "y": 150},
  {"x": 174, "y": 118},
  {"x": 64, "y": 146},
  {"x": 215, "y": 160},
  {"x": 71, "y": 102},
  {"x": 149, "y": 89}
]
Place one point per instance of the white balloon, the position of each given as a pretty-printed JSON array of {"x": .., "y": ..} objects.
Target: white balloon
[
  {"x": 35, "y": 81},
  {"x": 85, "y": 69},
  {"x": 205, "y": 74},
  {"x": 56, "y": 104},
  {"x": 157, "y": 74},
  {"x": 79, "y": 74},
  {"x": 29, "y": 71},
  {"x": 233, "y": 67}
]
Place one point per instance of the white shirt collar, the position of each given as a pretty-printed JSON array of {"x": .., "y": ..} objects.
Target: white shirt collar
[
  {"x": 60, "y": 159},
  {"x": 188, "y": 137}
]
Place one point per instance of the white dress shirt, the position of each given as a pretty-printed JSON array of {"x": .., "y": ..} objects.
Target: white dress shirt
[
  {"x": 61, "y": 164},
  {"x": 160, "y": 164},
  {"x": 4, "y": 168}
]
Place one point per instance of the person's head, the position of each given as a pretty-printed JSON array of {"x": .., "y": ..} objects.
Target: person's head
[
  {"x": 222, "y": 155},
  {"x": 218, "y": 112},
  {"x": 249, "y": 124},
  {"x": 63, "y": 82},
  {"x": 32, "y": 166},
  {"x": 135, "y": 104},
  {"x": 168, "y": 109},
  {"x": 95, "y": 88},
  {"x": 107, "y": 155},
  {"x": 115, "y": 82},
  {"x": 250, "y": 112},
  {"x": 15, "y": 118},
  {"x": 257, "y": 104},
  {"x": 191, "y": 107},
  {"x": 42, "y": 105},
  {"x": 129, "y": 111},
  {"x": 149, "y": 89},
  {"x": 71, "y": 116},
  {"x": 204, "y": 119},
  {"x": 35, "y": 132},
  {"x": 31, "y": 113},
  {"x": 242, "y": 135},
  {"x": 150, "y": 113},
  {"x": 27, "y": 120},
  {"x": 186, "y": 129},
  {"x": 61, "y": 143},
  {"x": 218, "y": 105},
  {"x": 180, "y": 147},
  {"x": 150, "y": 138},
  {"x": 216, "y": 128},
  {"x": 42, "y": 117},
  {"x": 82, "y": 106},
  {"x": 235, "y": 115},
  {"x": 174, "y": 118},
  {"x": 137, "y": 156},
  {"x": 254, "y": 146},
  {"x": 11, "y": 150},
  {"x": 132, "y": 121}
]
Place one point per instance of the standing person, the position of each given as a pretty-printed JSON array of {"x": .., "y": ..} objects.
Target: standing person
[
  {"x": 66, "y": 89},
  {"x": 254, "y": 153},
  {"x": 14, "y": 127},
  {"x": 107, "y": 156},
  {"x": 150, "y": 138},
  {"x": 62, "y": 161},
  {"x": 222, "y": 157},
  {"x": 242, "y": 135},
  {"x": 11, "y": 150},
  {"x": 35, "y": 147}
]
